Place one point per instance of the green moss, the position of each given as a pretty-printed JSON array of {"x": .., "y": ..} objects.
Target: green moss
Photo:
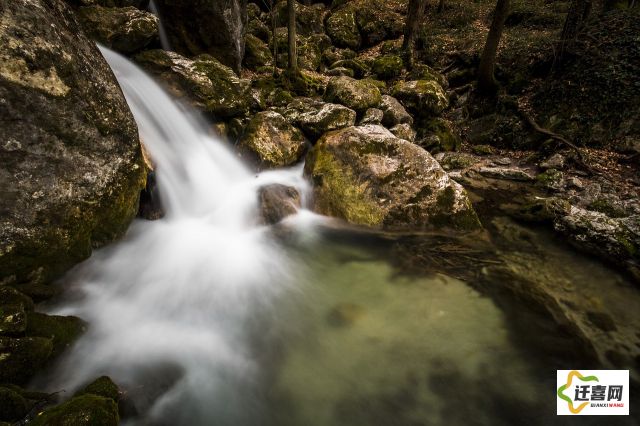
[
  {"x": 465, "y": 219},
  {"x": 482, "y": 149},
  {"x": 342, "y": 28},
  {"x": 387, "y": 67},
  {"x": 102, "y": 386},
  {"x": 604, "y": 206},
  {"x": 63, "y": 331},
  {"x": 13, "y": 406},
  {"x": 549, "y": 179},
  {"x": 83, "y": 410},
  {"x": 343, "y": 194},
  {"x": 448, "y": 140}
]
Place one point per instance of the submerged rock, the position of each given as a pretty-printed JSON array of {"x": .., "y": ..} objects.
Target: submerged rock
[
  {"x": 216, "y": 27},
  {"x": 83, "y": 410},
  {"x": 367, "y": 176},
  {"x": 125, "y": 29},
  {"x": 277, "y": 202},
  {"x": 270, "y": 141},
  {"x": 70, "y": 162},
  {"x": 204, "y": 81},
  {"x": 358, "y": 95},
  {"x": 315, "y": 118}
]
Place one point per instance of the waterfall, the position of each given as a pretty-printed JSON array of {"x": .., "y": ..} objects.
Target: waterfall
[
  {"x": 164, "y": 40},
  {"x": 173, "y": 307}
]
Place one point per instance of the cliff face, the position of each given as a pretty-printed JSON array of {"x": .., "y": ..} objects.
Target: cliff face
[{"x": 70, "y": 161}]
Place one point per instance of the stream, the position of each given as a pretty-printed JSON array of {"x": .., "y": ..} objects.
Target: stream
[{"x": 208, "y": 317}]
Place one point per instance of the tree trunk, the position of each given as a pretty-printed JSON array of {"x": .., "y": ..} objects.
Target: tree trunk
[
  {"x": 415, "y": 14},
  {"x": 486, "y": 80},
  {"x": 576, "y": 18},
  {"x": 272, "y": 11},
  {"x": 440, "y": 6},
  {"x": 293, "y": 51}
]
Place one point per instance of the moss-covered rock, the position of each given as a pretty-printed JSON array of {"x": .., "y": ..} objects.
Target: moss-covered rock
[
  {"x": 83, "y": 410},
  {"x": 367, "y": 176},
  {"x": 342, "y": 28},
  {"x": 376, "y": 21},
  {"x": 62, "y": 330},
  {"x": 204, "y": 82},
  {"x": 270, "y": 141},
  {"x": 372, "y": 116},
  {"x": 550, "y": 179},
  {"x": 387, "y": 67},
  {"x": 333, "y": 54},
  {"x": 425, "y": 72},
  {"x": 316, "y": 118},
  {"x": 424, "y": 98},
  {"x": 125, "y": 29},
  {"x": 13, "y": 406},
  {"x": 359, "y": 68},
  {"x": 21, "y": 358},
  {"x": 404, "y": 131},
  {"x": 257, "y": 53},
  {"x": 13, "y": 320},
  {"x": 71, "y": 166},
  {"x": 102, "y": 386},
  {"x": 358, "y": 95},
  {"x": 309, "y": 19},
  {"x": 439, "y": 135},
  {"x": 269, "y": 91},
  {"x": 12, "y": 296}
]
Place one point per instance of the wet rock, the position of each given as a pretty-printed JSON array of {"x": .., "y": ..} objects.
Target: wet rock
[
  {"x": 204, "y": 82},
  {"x": 394, "y": 112},
  {"x": 70, "y": 161},
  {"x": 358, "y": 95},
  {"x": 270, "y": 141},
  {"x": 372, "y": 116},
  {"x": 343, "y": 30},
  {"x": 316, "y": 118},
  {"x": 150, "y": 202},
  {"x": 103, "y": 386},
  {"x": 125, "y": 29},
  {"x": 62, "y": 330},
  {"x": 222, "y": 25},
  {"x": 21, "y": 358},
  {"x": 277, "y": 202},
  {"x": 387, "y": 66},
  {"x": 506, "y": 173},
  {"x": 13, "y": 406},
  {"x": 257, "y": 53},
  {"x": 83, "y": 410},
  {"x": 424, "y": 98},
  {"x": 404, "y": 131},
  {"x": 12, "y": 319},
  {"x": 367, "y": 176}
]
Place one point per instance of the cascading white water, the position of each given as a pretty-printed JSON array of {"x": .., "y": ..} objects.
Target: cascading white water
[
  {"x": 182, "y": 294},
  {"x": 162, "y": 32}
]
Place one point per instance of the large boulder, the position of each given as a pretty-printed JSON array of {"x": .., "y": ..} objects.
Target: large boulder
[
  {"x": 424, "y": 98},
  {"x": 71, "y": 167},
  {"x": 270, "y": 141},
  {"x": 358, "y": 95},
  {"x": 257, "y": 53},
  {"x": 315, "y": 118},
  {"x": 125, "y": 29},
  {"x": 394, "y": 112},
  {"x": 217, "y": 27},
  {"x": 343, "y": 30},
  {"x": 367, "y": 176},
  {"x": 204, "y": 81}
]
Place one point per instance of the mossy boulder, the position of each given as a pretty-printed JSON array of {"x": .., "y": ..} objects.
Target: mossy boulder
[
  {"x": 369, "y": 177},
  {"x": 438, "y": 135},
  {"x": 13, "y": 406},
  {"x": 358, "y": 95},
  {"x": 12, "y": 296},
  {"x": 269, "y": 91},
  {"x": 204, "y": 81},
  {"x": 424, "y": 98},
  {"x": 387, "y": 67},
  {"x": 125, "y": 29},
  {"x": 21, "y": 358},
  {"x": 257, "y": 53},
  {"x": 425, "y": 72},
  {"x": 359, "y": 68},
  {"x": 309, "y": 19},
  {"x": 215, "y": 27},
  {"x": 333, "y": 54},
  {"x": 269, "y": 141},
  {"x": 102, "y": 386},
  {"x": 316, "y": 118},
  {"x": 62, "y": 330},
  {"x": 377, "y": 21},
  {"x": 83, "y": 410},
  {"x": 393, "y": 112},
  {"x": 71, "y": 167},
  {"x": 342, "y": 28},
  {"x": 13, "y": 319}
]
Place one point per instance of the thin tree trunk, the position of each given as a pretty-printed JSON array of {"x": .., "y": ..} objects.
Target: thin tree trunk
[
  {"x": 576, "y": 17},
  {"x": 440, "y": 6},
  {"x": 272, "y": 11},
  {"x": 415, "y": 13},
  {"x": 293, "y": 51},
  {"x": 486, "y": 79}
]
